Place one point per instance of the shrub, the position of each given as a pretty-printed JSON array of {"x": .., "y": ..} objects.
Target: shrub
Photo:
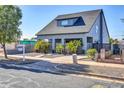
[
  {"x": 59, "y": 48},
  {"x": 91, "y": 52},
  {"x": 72, "y": 46},
  {"x": 108, "y": 54},
  {"x": 37, "y": 46},
  {"x": 42, "y": 46}
]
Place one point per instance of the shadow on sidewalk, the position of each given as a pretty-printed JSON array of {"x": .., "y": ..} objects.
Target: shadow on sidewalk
[{"x": 44, "y": 67}]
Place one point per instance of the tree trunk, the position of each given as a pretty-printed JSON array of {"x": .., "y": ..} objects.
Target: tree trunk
[{"x": 5, "y": 53}]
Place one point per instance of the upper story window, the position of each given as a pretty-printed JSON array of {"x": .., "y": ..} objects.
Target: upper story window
[
  {"x": 64, "y": 22},
  {"x": 78, "y": 21}
]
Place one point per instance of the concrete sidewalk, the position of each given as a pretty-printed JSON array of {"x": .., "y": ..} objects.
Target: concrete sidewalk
[{"x": 68, "y": 60}]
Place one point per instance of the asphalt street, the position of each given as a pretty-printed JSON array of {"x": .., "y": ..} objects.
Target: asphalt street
[{"x": 48, "y": 77}]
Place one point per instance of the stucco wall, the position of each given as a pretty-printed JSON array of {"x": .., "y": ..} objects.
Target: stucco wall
[{"x": 66, "y": 36}]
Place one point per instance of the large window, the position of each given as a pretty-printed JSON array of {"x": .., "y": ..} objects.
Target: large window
[
  {"x": 72, "y": 39},
  {"x": 57, "y": 41},
  {"x": 89, "y": 39},
  {"x": 64, "y": 23},
  {"x": 78, "y": 21}
]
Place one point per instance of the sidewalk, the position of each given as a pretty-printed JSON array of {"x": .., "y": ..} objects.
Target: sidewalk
[{"x": 68, "y": 60}]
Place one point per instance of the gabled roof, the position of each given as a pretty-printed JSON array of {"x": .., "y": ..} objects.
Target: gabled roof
[{"x": 89, "y": 18}]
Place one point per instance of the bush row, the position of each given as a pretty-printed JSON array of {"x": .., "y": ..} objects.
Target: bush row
[{"x": 71, "y": 48}]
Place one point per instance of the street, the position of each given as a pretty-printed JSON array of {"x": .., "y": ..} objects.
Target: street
[
  {"x": 56, "y": 74},
  {"x": 10, "y": 78}
]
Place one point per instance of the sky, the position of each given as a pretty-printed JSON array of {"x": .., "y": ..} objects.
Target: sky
[{"x": 35, "y": 17}]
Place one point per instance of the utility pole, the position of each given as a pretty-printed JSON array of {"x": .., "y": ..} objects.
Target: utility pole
[{"x": 122, "y": 22}]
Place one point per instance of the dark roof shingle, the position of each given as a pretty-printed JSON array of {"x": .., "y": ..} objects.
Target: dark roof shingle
[{"x": 89, "y": 18}]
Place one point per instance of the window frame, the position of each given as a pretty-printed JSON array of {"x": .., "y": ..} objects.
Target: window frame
[
  {"x": 70, "y": 22},
  {"x": 91, "y": 39}
]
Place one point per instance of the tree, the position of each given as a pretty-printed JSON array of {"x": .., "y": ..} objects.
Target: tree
[
  {"x": 10, "y": 20},
  {"x": 42, "y": 46},
  {"x": 113, "y": 41},
  {"x": 73, "y": 46},
  {"x": 116, "y": 41}
]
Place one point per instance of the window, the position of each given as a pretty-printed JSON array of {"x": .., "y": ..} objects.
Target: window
[
  {"x": 64, "y": 22},
  {"x": 50, "y": 40},
  {"x": 97, "y": 28},
  {"x": 89, "y": 39},
  {"x": 78, "y": 21},
  {"x": 67, "y": 22},
  {"x": 71, "y": 39},
  {"x": 58, "y": 40}
]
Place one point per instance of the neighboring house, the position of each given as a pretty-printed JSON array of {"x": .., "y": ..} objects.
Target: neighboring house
[
  {"x": 10, "y": 46},
  {"x": 121, "y": 44},
  {"x": 89, "y": 27}
]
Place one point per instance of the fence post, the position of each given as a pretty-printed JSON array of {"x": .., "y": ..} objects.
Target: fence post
[
  {"x": 122, "y": 56},
  {"x": 23, "y": 52},
  {"x": 96, "y": 57},
  {"x": 102, "y": 54},
  {"x": 74, "y": 56}
]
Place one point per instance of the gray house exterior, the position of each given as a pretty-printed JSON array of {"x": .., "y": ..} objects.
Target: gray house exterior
[{"x": 89, "y": 27}]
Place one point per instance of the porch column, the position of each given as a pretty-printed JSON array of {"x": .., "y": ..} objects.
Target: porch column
[
  {"x": 63, "y": 41},
  {"x": 53, "y": 44},
  {"x": 84, "y": 43}
]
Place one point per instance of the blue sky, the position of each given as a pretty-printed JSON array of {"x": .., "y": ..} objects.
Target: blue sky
[{"x": 36, "y": 17}]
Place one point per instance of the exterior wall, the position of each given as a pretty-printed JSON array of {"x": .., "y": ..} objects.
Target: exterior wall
[
  {"x": 105, "y": 34},
  {"x": 95, "y": 30},
  {"x": 66, "y": 36},
  {"x": 11, "y": 46}
]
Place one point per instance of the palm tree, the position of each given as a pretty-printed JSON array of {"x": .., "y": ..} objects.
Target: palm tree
[{"x": 113, "y": 41}]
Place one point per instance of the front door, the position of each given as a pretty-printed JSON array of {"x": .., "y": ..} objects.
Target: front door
[
  {"x": 89, "y": 42},
  {"x": 57, "y": 41}
]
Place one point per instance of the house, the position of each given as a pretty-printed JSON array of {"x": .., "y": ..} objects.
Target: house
[
  {"x": 121, "y": 44},
  {"x": 89, "y": 27}
]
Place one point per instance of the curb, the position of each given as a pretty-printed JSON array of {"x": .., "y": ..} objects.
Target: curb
[{"x": 91, "y": 74}]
